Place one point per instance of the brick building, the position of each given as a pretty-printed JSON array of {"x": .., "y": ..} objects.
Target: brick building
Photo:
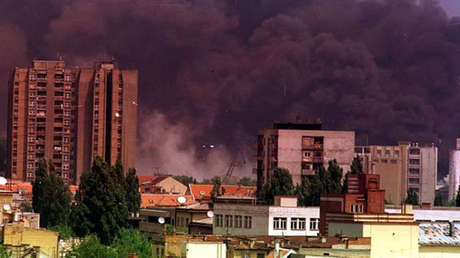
[{"x": 69, "y": 115}]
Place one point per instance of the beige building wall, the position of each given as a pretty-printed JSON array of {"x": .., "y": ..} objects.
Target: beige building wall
[
  {"x": 439, "y": 251},
  {"x": 429, "y": 176},
  {"x": 200, "y": 250},
  {"x": 171, "y": 185},
  {"x": 19, "y": 235},
  {"x": 387, "y": 240}
]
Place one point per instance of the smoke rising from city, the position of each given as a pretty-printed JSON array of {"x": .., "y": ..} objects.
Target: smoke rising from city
[{"x": 215, "y": 71}]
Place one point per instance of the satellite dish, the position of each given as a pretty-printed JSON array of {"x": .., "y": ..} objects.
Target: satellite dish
[
  {"x": 6, "y": 207},
  {"x": 3, "y": 180},
  {"x": 210, "y": 214},
  {"x": 181, "y": 199},
  {"x": 161, "y": 220}
]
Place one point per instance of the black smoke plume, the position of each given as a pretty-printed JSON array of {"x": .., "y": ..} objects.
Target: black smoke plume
[{"x": 215, "y": 71}]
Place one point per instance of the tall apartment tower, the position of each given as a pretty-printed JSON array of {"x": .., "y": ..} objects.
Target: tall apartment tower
[
  {"x": 69, "y": 115},
  {"x": 407, "y": 165},
  {"x": 301, "y": 148}
]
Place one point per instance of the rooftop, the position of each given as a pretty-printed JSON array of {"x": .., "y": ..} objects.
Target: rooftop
[{"x": 439, "y": 234}]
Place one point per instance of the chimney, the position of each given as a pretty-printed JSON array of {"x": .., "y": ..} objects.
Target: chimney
[{"x": 451, "y": 229}]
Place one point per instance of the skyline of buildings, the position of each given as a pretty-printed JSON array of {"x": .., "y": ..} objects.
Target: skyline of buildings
[{"x": 69, "y": 115}]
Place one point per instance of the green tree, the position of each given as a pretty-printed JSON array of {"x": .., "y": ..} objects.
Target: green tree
[
  {"x": 133, "y": 197},
  {"x": 356, "y": 166},
  {"x": 4, "y": 252},
  {"x": 211, "y": 181},
  {"x": 101, "y": 204},
  {"x": 131, "y": 241},
  {"x": 247, "y": 181},
  {"x": 186, "y": 180},
  {"x": 91, "y": 247},
  {"x": 51, "y": 196},
  {"x": 412, "y": 197},
  {"x": 438, "y": 200},
  {"x": 280, "y": 184},
  {"x": 323, "y": 181}
]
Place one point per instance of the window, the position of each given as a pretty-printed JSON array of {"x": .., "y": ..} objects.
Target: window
[
  {"x": 279, "y": 223},
  {"x": 414, "y": 161},
  {"x": 384, "y": 161},
  {"x": 379, "y": 152},
  {"x": 67, "y": 112},
  {"x": 31, "y": 139},
  {"x": 414, "y": 181},
  {"x": 314, "y": 224},
  {"x": 247, "y": 222},
  {"x": 393, "y": 161},
  {"x": 66, "y": 157},
  {"x": 219, "y": 220},
  {"x": 228, "y": 221},
  {"x": 238, "y": 221},
  {"x": 66, "y": 122},
  {"x": 298, "y": 223},
  {"x": 387, "y": 152},
  {"x": 357, "y": 208},
  {"x": 260, "y": 255},
  {"x": 414, "y": 171},
  {"x": 414, "y": 151}
]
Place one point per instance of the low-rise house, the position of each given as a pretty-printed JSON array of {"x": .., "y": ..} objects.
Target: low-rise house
[
  {"x": 161, "y": 184},
  {"x": 284, "y": 218},
  {"x": 202, "y": 193},
  {"x": 165, "y": 200}
]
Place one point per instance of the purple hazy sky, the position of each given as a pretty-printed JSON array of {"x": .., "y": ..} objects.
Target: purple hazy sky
[{"x": 452, "y": 7}]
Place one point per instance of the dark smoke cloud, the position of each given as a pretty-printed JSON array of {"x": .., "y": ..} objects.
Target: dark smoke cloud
[{"x": 216, "y": 71}]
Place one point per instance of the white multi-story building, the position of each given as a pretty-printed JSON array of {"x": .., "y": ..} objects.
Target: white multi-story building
[
  {"x": 282, "y": 219},
  {"x": 454, "y": 170}
]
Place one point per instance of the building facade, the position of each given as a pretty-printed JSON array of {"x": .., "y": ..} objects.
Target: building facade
[
  {"x": 402, "y": 167},
  {"x": 282, "y": 219},
  {"x": 301, "y": 148},
  {"x": 69, "y": 115}
]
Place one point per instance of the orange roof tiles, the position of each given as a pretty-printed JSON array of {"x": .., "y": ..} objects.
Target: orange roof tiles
[
  {"x": 164, "y": 200},
  {"x": 203, "y": 192}
]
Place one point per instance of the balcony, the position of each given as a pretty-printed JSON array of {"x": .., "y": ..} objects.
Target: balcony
[
  {"x": 151, "y": 227},
  {"x": 315, "y": 146}
]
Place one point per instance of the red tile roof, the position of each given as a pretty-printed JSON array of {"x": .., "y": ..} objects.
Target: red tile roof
[
  {"x": 143, "y": 179},
  {"x": 164, "y": 200},
  {"x": 203, "y": 192}
]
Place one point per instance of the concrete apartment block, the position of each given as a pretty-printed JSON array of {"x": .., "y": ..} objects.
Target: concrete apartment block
[{"x": 69, "y": 115}]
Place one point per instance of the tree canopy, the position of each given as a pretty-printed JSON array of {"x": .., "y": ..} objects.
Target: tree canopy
[
  {"x": 51, "y": 196},
  {"x": 247, "y": 181},
  {"x": 102, "y": 204},
  {"x": 412, "y": 197},
  {"x": 280, "y": 184},
  {"x": 323, "y": 181},
  {"x": 186, "y": 180}
]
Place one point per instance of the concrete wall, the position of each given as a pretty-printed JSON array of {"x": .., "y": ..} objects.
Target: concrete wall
[
  {"x": 258, "y": 213},
  {"x": 429, "y": 174},
  {"x": 454, "y": 173},
  {"x": 389, "y": 240},
  {"x": 439, "y": 251},
  {"x": 199, "y": 250},
  {"x": 337, "y": 145},
  {"x": 345, "y": 229}
]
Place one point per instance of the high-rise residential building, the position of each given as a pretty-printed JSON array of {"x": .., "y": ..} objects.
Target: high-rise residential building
[
  {"x": 301, "y": 148},
  {"x": 402, "y": 167},
  {"x": 69, "y": 115},
  {"x": 454, "y": 171}
]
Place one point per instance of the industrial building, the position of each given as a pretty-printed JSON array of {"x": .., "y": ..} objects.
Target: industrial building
[
  {"x": 301, "y": 148},
  {"x": 69, "y": 115},
  {"x": 407, "y": 165}
]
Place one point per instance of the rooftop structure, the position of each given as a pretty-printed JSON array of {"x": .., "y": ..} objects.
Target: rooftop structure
[{"x": 202, "y": 192}]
